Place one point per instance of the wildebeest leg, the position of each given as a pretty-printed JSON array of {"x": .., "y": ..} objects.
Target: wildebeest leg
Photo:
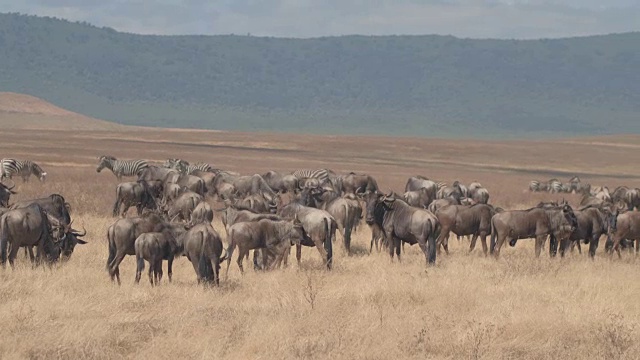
[
  {"x": 241, "y": 255},
  {"x": 593, "y": 246},
  {"x": 553, "y": 245},
  {"x": 298, "y": 253},
  {"x": 170, "y": 267},
  {"x": 14, "y": 253},
  {"x": 114, "y": 270},
  {"x": 158, "y": 271},
  {"x": 501, "y": 239},
  {"x": 398, "y": 245},
  {"x": 152, "y": 271},
  {"x": 540, "y": 239},
  {"x": 320, "y": 246},
  {"x": 195, "y": 261},
  {"x": 637, "y": 246},
  {"x": 473, "y": 242},
  {"x": 483, "y": 239},
  {"x": 423, "y": 246},
  {"x": 139, "y": 268},
  {"x": 564, "y": 245}
]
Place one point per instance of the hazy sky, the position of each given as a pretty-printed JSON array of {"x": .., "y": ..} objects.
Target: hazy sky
[{"x": 310, "y": 18}]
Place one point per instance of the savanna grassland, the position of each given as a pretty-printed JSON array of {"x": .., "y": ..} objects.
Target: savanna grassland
[{"x": 467, "y": 306}]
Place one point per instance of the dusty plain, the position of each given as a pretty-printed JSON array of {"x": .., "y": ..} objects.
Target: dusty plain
[{"x": 467, "y": 306}]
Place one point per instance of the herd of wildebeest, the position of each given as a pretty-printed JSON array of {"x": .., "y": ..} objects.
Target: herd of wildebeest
[{"x": 271, "y": 212}]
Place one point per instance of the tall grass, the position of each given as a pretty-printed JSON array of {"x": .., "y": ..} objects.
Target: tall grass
[{"x": 367, "y": 307}]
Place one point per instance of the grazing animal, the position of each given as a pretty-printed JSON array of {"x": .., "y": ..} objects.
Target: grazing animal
[
  {"x": 27, "y": 227},
  {"x": 536, "y": 223},
  {"x": 625, "y": 226},
  {"x": 403, "y": 223},
  {"x": 182, "y": 207},
  {"x": 23, "y": 168},
  {"x": 281, "y": 183},
  {"x": 233, "y": 214},
  {"x": 203, "y": 247},
  {"x": 345, "y": 212},
  {"x": 136, "y": 193},
  {"x": 318, "y": 225},
  {"x": 155, "y": 247},
  {"x": 5, "y": 194},
  {"x": 593, "y": 222},
  {"x": 122, "y": 234},
  {"x": 275, "y": 237},
  {"x": 202, "y": 214},
  {"x": 122, "y": 168},
  {"x": 184, "y": 167},
  {"x": 463, "y": 220},
  {"x": 421, "y": 198},
  {"x": 353, "y": 183}
]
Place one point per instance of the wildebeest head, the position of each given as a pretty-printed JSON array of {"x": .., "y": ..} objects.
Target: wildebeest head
[
  {"x": 568, "y": 213},
  {"x": 295, "y": 233},
  {"x": 5, "y": 194},
  {"x": 65, "y": 237},
  {"x": 375, "y": 202}
]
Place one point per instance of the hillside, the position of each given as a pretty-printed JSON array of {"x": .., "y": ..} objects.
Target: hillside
[
  {"x": 399, "y": 85},
  {"x": 20, "y": 111}
]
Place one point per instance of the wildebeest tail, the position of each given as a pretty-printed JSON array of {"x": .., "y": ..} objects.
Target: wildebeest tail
[
  {"x": 4, "y": 239},
  {"x": 348, "y": 226},
  {"x": 494, "y": 234},
  {"x": 112, "y": 246},
  {"x": 330, "y": 230},
  {"x": 204, "y": 264}
]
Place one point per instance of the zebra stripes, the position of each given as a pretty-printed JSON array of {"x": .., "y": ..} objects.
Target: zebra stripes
[
  {"x": 121, "y": 168},
  {"x": 320, "y": 174},
  {"x": 555, "y": 186},
  {"x": 23, "y": 168},
  {"x": 184, "y": 167}
]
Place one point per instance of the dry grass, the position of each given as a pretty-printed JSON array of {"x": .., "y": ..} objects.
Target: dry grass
[{"x": 468, "y": 306}]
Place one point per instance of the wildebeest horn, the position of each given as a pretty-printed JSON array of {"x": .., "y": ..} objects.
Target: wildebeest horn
[{"x": 76, "y": 233}]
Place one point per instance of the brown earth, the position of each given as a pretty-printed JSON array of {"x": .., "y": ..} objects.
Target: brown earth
[
  {"x": 20, "y": 111},
  {"x": 468, "y": 306}
]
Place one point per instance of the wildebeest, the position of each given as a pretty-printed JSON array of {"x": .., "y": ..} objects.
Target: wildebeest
[
  {"x": 202, "y": 214},
  {"x": 592, "y": 223},
  {"x": 402, "y": 222},
  {"x": 274, "y": 237},
  {"x": 5, "y": 194},
  {"x": 257, "y": 203},
  {"x": 353, "y": 183},
  {"x": 283, "y": 183},
  {"x": 627, "y": 196},
  {"x": 155, "y": 247},
  {"x": 421, "y": 198},
  {"x": 319, "y": 229},
  {"x": 182, "y": 207},
  {"x": 55, "y": 205},
  {"x": 27, "y": 227},
  {"x": 439, "y": 203},
  {"x": 136, "y": 193},
  {"x": 536, "y": 223},
  {"x": 625, "y": 226},
  {"x": 203, "y": 247},
  {"x": 190, "y": 182},
  {"x": 465, "y": 220},
  {"x": 345, "y": 212},
  {"x": 418, "y": 182},
  {"x": 233, "y": 214},
  {"x": 122, "y": 234},
  {"x": 479, "y": 195},
  {"x": 454, "y": 191}
]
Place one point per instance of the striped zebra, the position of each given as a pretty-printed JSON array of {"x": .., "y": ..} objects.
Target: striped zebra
[
  {"x": 320, "y": 174},
  {"x": 121, "y": 168},
  {"x": 184, "y": 167},
  {"x": 24, "y": 168},
  {"x": 555, "y": 186}
]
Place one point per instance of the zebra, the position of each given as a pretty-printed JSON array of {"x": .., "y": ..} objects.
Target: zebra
[
  {"x": 184, "y": 167},
  {"x": 320, "y": 174},
  {"x": 24, "y": 168},
  {"x": 555, "y": 186},
  {"x": 121, "y": 168}
]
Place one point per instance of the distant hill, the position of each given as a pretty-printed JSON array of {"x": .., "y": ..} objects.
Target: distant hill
[
  {"x": 19, "y": 111},
  {"x": 397, "y": 85}
]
